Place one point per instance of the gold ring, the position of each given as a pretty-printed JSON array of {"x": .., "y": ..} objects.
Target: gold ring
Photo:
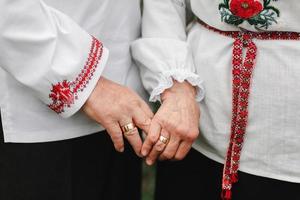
[
  {"x": 126, "y": 129},
  {"x": 163, "y": 139},
  {"x": 131, "y": 132}
]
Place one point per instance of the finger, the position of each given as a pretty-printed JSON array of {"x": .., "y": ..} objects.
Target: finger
[
  {"x": 132, "y": 136},
  {"x": 183, "y": 150},
  {"x": 158, "y": 148},
  {"x": 151, "y": 138},
  {"x": 134, "y": 139},
  {"x": 171, "y": 149},
  {"x": 145, "y": 107},
  {"x": 124, "y": 120},
  {"x": 115, "y": 133},
  {"x": 141, "y": 119}
]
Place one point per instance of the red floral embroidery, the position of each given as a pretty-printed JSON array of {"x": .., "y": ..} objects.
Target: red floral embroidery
[
  {"x": 242, "y": 70},
  {"x": 258, "y": 13},
  {"x": 64, "y": 94},
  {"x": 245, "y": 9},
  {"x": 61, "y": 95}
]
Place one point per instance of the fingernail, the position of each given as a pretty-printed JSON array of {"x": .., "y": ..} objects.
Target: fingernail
[
  {"x": 149, "y": 162},
  {"x": 144, "y": 152},
  {"x": 139, "y": 155}
]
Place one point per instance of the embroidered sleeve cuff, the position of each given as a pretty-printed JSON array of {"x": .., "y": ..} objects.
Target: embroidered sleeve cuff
[
  {"x": 68, "y": 96},
  {"x": 166, "y": 81}
]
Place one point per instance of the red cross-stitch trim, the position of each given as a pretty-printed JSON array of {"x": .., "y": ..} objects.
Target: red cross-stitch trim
[
  {"x": 64, "y": 94},
  {"x": 242, "y": 71}
]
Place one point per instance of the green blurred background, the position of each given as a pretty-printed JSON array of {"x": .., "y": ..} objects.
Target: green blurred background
[{"x": 148, "y": 182}]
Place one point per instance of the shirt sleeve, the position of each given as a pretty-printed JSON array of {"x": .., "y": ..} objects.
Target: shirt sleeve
[
  {"x": 163, "y": 53},
  {"x": 49, "y": 53}
]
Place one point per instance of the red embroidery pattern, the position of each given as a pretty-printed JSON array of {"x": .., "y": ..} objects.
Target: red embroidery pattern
[
  {"x": 64, "y": 94},
  {"x": 242, "y": 71},
  {"x": 245, "y": 9},
  {"x": 259, "y": 13}
]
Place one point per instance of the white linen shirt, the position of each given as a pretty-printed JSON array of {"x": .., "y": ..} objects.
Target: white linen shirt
[
  {"x": 272, "y": 141},
  {"x": 49, "y": 56}
]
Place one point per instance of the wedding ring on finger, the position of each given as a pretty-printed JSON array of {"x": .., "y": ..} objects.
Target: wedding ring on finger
[
  {"x": 128, "y": 129},
  {"x": 163, "y": 139}
]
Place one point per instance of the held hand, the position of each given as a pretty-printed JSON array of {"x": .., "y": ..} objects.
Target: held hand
[
  {"x": 115, "y": 106},
  {"x": 174, "y": 127}
]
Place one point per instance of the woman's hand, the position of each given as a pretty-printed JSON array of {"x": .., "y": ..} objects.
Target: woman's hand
[
  {"x": 177, "y": 120},
  {"x": 114, "y": 106}
]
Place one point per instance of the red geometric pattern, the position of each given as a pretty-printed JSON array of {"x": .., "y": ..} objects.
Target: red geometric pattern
[
  {"x": 242, "y": 71},
  {"x": 65, "y": 93}
]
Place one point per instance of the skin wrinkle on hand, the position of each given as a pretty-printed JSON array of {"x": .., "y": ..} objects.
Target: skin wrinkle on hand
[
  {"x": 112, "y": 110},
  {"x": 178, "y": 117}
]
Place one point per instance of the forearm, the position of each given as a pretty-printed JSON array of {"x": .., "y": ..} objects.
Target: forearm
[{"x": 49, "y": 53}]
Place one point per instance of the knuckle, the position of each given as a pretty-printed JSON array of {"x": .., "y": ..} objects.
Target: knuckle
[
  {"x": 168, "y": 156},
  {"x": 159, "y": 147},
  {"x": 193, "y": 135},
  {"x": 152, "y": 138},
  {"x": 144, "y": 122},
  {"x": 129, "y": 108},
  {"x": 179, "y": 157},
  {"x": 124, "y": 107},
  {"x": 182, "y": 130}
]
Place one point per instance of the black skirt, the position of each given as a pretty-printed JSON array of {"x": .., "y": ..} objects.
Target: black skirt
[
  {"x": 199, "y": 178},
  {"x": 86, "y": 168}
]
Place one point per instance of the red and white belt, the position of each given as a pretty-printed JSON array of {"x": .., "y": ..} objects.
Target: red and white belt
[{"x": 242, "y": 71}]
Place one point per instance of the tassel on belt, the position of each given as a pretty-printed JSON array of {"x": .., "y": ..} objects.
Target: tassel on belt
[{"x": 242, "y": 71}]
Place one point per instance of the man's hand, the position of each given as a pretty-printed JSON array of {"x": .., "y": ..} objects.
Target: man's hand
[
  {"x": 178, "y": 120},
  {"x": 114, "y": 106}
]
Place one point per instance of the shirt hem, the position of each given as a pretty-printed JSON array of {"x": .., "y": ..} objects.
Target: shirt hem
[
  {"x": 244, "y": 169},
  {"x": 58, "y": 135}
]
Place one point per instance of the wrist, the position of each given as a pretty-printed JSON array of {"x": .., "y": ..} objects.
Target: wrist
[
  {"x": 184, "y": 88},
  {"x": 95, "y": 93}
]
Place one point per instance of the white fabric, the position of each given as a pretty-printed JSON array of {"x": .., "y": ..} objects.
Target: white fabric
[
  {"x": 178, "y": 66},
  {"x": 169, "y": 56},
  {"x": 272, "y": 144},
  {"x": 46, "y": 42},
  {"x": 2, "y": 86}
]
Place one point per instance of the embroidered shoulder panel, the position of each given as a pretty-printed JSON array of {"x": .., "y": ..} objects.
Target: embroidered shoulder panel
[
  {"x": 65, "y": 93},
  {"x": 259, "y": 13}
]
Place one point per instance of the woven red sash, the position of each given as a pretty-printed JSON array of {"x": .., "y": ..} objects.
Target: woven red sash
[{"x": 241, "y": 81}]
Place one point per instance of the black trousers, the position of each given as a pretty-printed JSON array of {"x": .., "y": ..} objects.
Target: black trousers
[
  {"x": 199, "y": 178},
  {"x": 86, "y": 168}
]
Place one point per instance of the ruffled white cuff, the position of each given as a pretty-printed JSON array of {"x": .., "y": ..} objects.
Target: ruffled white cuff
[{"x": 167, "y": 78}]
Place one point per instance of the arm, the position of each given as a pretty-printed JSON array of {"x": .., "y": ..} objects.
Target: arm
[
  {"x": 168, "y": 73},
  {"x": 163, "y": 53},
  {"x": 48, "y": 52}
]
